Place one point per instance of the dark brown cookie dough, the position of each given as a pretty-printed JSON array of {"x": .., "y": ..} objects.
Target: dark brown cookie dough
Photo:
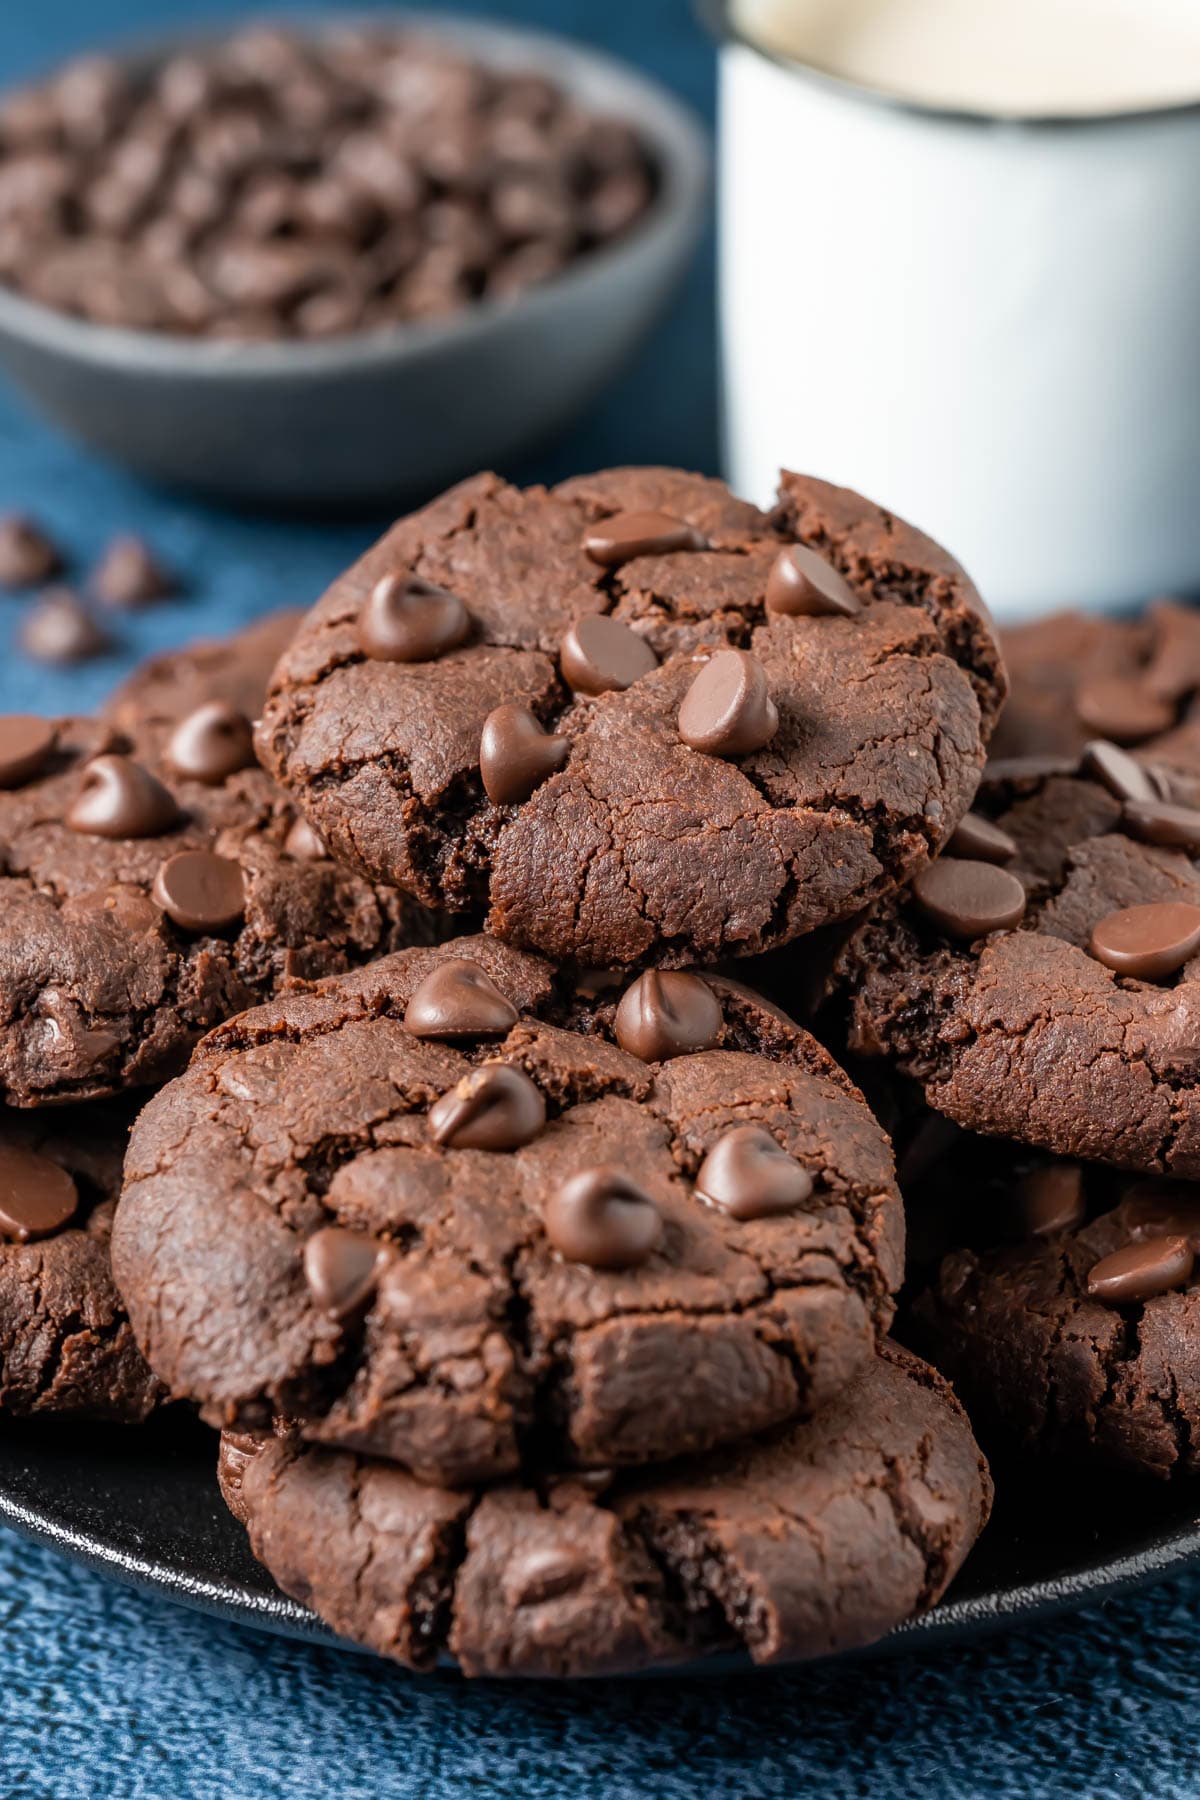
[
  {"x": 293, "y": 1241},
  {"x": 115, "y": 953},
  {"x": 815, "y": 1539},
  {"x": 1074, "y": 677},
  {"x": 852, "y": 738},
  {"x": 1026, "y": 1033},
  {"x": 1068, "y": 1315},
  {"x": 66, "y": 1346},
  {"x": 167, "y": 687}
]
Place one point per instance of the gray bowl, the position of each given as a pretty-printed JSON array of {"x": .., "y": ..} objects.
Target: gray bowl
[{"x": 399, "y": 411}]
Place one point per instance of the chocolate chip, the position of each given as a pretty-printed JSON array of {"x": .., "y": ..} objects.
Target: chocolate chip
[
  {"x": 1148, "y": 943},
  {"x": 200, "y": 891},
  {"x": 26, "y": 745},
  {"x": 1141, "y": 1271},
  {"x": 458, "y": 999},
  {"x": 60, "y": 629},
  {"x": 342, "y": 1269},
  {"x": 334, "y": 313},
  {"x": 803, "y": 584},
  {"x": 27, "y": 555},
  {"x": 37, "y": 1197},
  {"x": 616, "y": 540},
  {"x": 305, "y": 844},
  {"x": 1116, "y": 771},
  {"x": 524, "y": 268},
  {"x": 407, "y": 619},
  {"x": 1026, "y": 771},
  {"x": 118, "y": 798},
  {"x": 129, "y": 575},
  {"x": 615, "y": 203},
  {"x": 1161, "y": 822},
  {"x": 1051, "y": 1200},
  {"x": 211, "y": 743},
  {"x": 516, "y": 754},
  {"x": 728, "y": 710},
  {"x": 1159, "y": 1208},
  {"x": 601, "y": 1217},
  {"x": 599, "y": 654},
  {"x": 495, "y": 1107},
  {"x": 667, "y": 1014},
  {"x": 1166, "y": 782},
  {"x": 1122, "y": 710},
  {"x": 978, "y": 840},
  {"x": 543, "y": 1574},
  {"x": 748, "y": 1175},
  {"x": 969, "y": 899}
]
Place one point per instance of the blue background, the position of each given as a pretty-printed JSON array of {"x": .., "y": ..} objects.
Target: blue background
[{"x": 106, "y": 1693}]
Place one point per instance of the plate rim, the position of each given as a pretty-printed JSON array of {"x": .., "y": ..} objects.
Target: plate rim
[{"x": 955, "y": 1617}]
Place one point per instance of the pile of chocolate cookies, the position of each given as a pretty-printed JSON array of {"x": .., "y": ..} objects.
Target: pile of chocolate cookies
[
  {"x": 1062, "y": 1302},
  {"x": 537, "y": 1266}
]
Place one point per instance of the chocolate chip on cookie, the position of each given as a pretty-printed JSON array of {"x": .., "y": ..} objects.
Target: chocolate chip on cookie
[{"x": 211, "y": 743}]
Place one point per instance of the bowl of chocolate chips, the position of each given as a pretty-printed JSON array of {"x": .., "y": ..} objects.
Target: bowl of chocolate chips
[{"x": 334, "y": 263}]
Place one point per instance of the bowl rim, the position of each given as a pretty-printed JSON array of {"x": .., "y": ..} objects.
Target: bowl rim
[
  {"x": 717, "y": 17},
  {"x": 671, "y": 131}
]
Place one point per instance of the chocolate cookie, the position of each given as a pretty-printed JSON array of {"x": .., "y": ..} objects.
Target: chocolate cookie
[
  {"x": 432, "y": 1211},
  {"x": 1044, "y": 983},
  {"x": 234, "y": 670},
  {"x": 66, "y": 1346},
  {"x": 1074, "y": 677},
  {"x": 639, "y": 719},
  {"x": 151, "y": 885},
  {"x": 815, "y": 1539},
  {"x": 1070, "y": 1317}
]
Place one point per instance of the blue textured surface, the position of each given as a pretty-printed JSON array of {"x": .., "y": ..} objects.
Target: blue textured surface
[{"x": 107, "y": 1693}]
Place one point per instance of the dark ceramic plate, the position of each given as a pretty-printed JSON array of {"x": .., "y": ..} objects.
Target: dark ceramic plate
[{"x": 144, "y": 1507}]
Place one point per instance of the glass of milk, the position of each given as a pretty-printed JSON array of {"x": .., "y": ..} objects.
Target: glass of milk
[{"x": 960, "y": 271}]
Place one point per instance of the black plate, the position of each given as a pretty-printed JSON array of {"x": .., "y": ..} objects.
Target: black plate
[{"x": 144, "y": 1507}]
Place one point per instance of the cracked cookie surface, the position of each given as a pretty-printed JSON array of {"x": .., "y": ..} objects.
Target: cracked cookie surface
[
  {"x": 482, "y": 1341},
  {"x": 1024, "y": 1033},
  {"x": 66, "y": 1346},
  {"x": 102, "y": 987},
  {"x": 815, "y": 1539},
  {"x": 639, "y": 849},
  {"x": 1041, "y": 1361}
]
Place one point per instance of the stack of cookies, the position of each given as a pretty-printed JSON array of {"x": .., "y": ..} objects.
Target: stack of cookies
[
  {"x": 537, "y": 1266},
  {"x": 1062, "y": 1302}
]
